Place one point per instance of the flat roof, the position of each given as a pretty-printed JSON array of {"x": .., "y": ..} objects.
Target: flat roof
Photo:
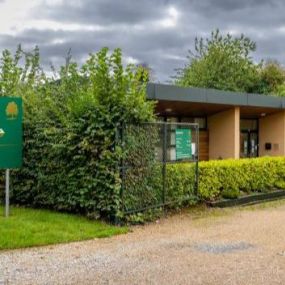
[{"x": 165, "y": 92}]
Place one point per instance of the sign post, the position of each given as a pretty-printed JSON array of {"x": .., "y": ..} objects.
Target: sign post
[
  {"x": 7, "y": 192},
  {"x": 11, "y": 140},
  {"x": 183, "y": 139}
]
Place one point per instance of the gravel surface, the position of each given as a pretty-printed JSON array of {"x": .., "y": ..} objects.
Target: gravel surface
[{"x": 245, "y": 247}]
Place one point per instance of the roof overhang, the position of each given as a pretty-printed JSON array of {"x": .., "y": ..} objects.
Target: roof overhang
[{"x": 200, "y": 101}]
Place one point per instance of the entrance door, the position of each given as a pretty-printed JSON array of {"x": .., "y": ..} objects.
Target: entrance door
[{"x": 249, "y": 144}]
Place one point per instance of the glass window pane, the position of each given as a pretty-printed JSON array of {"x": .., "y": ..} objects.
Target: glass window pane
[
  {"x": 187, "y": 120},
  {"x": 160, "y": 119},
  {"x": 248, "y": 125},
  {"x": 200, "y": 121},
  {"x": 171, "y": 119}
]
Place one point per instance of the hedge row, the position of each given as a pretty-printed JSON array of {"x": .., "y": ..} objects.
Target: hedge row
[
  {"x": 223, "y": 178},
  {"x": 232, "y": 178},
  {"x": 217, "y": 179}
]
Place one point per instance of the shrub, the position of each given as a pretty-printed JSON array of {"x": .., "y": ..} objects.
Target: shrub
[
  {"x": 71, "y": 160},
  {"x": 221, "y": 179},
  {"x": 227, "y": 178}
]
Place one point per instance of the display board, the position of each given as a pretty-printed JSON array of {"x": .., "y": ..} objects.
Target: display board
[
  {"x": 11, "y": 134},
  {"x": 183, "y": 142}
]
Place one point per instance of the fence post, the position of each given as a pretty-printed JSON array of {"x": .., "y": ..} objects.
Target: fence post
[
  {"x": 119, "y": 141},
  {"x": 122, "y": 174},
  {"x": 164, "y": 155},
  {"x": 197, "y": 162}
]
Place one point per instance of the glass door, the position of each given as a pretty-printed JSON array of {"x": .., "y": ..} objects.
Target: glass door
[
  {"x": 253, "y": 144},
  {"x": 244, "y": 144},
  {"x": 248, "y": 144}
]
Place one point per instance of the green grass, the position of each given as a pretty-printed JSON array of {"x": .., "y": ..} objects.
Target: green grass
[{"x": 31, "y": 227}]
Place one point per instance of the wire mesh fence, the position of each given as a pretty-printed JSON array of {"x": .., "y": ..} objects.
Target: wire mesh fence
[{"x": 150, "y": 178}]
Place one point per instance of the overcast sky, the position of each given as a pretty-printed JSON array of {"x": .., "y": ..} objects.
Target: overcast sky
[{"x": 156, "y": 32}]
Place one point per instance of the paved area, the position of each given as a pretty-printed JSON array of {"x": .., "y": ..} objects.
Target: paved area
[{"x": 243, "y": 247}]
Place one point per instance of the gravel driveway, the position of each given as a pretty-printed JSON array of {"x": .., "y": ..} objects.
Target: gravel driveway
[{"x": 243, "y": 247}]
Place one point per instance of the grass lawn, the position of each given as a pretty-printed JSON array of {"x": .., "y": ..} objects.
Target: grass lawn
[{"x": 30, "y": 227}]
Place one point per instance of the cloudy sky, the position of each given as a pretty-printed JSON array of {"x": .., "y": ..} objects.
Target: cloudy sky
[{"x": 156, "y": 32}]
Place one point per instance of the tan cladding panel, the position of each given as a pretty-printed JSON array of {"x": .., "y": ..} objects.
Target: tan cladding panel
[
  {"x": 224, "y": 134},
  {"x": 271, "y": 131}
]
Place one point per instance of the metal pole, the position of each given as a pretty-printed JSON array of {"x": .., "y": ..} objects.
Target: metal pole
[
  {"x": 197, "y": 162},
  {"x": 164, "y": 159},
  {"x": 7, "y": 185},
  {"x": 122, "y": 167}
]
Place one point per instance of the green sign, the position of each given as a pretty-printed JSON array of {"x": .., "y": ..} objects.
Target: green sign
[
  {"x": 11, "y": 133},
  {"x": 183, "y": 139}
]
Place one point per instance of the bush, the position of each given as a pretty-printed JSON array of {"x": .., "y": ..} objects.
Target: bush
[
  {"x": 71, "y": 159},
  {"x": 224, "y": 178},
  {"x": 228, "y": 178},
  {"x": 217, "y": 179}
]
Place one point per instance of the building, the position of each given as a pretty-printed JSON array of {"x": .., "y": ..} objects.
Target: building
[{"x": 231, "y": 125}]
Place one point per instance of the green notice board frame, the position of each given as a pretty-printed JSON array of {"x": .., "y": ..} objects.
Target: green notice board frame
[
  {"x": 183, "y": 141},
  {"x": 11, "y": 132}
]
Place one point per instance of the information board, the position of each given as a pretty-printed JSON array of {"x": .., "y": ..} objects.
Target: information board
[
  {"x": 183, "y": 140},
  {"x": 11, "y": 134}
]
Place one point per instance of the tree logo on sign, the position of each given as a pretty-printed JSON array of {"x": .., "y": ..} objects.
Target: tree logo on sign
[{"x": 12, "y": 110}]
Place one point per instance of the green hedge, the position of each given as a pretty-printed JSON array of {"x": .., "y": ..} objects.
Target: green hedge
[
  {"x": 227, "y": 178},
  {"x": 218, "y": 179},
  {"x": 232, "y": 178},
  {"x": 71, "y": 154}
]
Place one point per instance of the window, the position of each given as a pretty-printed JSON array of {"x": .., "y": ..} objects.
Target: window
[
  {"x": 248, "y": 124},
  {"x": 170, "y": 144},
  {"x": 201, "y": 121}
]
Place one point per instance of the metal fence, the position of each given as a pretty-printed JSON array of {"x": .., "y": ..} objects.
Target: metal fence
[{"x": 150, "y": 178}]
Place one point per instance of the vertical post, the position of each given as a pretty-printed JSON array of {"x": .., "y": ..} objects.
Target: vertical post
[
  {"x": 197, "y": 161},
  {"x": 122, "y": 166},
  {"x": 164, "y": 154},
  {"x": 7, "y": 198}
]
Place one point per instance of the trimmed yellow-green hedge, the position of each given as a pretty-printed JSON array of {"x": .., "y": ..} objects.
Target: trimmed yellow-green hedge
[
  {"x": 230, "y": 178},
  {"x": 227, "y": 178}
]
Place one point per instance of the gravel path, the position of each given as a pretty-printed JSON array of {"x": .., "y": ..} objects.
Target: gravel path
[{"x": 245, "y": 247}]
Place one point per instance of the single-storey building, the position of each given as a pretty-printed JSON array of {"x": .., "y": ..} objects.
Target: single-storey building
[{"x": 231, "y": 124}]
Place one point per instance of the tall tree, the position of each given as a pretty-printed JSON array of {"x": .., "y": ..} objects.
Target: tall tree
[{"x": 221, "y": 62}]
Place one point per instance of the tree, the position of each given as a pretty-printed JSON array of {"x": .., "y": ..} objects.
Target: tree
[
  {"x": 12, "y": 110},
  {"x": 146, "y": 72},
  {"x": 272, "y": 78},
  {"x": 221, "y": 62}
]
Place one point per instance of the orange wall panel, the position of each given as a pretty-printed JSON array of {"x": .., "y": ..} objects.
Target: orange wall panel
[
  {"x": 224, "y": 134},
  {"x": 272, "y": 130}
]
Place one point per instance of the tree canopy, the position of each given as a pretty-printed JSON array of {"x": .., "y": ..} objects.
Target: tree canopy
[{"x": 225, "y": 62}]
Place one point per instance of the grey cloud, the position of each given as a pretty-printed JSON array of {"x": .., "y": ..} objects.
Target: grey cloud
[
  {"x": 162, "y": 48},
  {"x": 104, "y": 11}
]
